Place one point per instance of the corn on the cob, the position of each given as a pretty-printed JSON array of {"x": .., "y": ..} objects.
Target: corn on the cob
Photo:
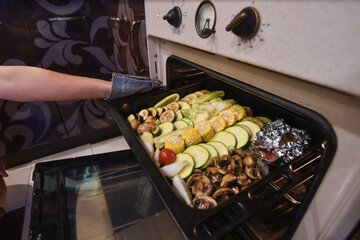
[
  {"x": 239, "y": 112},
  {"x": 218, "y": 123},
  {"x": 229, "y": 117},
  {"x": 191, "y": 136},
  {"x": 175, "y": 143},
  {"x": 205, "y": 130}
]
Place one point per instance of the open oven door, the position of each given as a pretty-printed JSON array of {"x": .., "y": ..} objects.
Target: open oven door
[{"x": 271, "y": 208}]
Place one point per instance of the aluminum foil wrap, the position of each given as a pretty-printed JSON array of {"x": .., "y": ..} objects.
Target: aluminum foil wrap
[{"x": 283, "y": 141}]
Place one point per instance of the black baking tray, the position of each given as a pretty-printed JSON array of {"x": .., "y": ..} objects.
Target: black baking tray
[{"x": 190, "y": 220}]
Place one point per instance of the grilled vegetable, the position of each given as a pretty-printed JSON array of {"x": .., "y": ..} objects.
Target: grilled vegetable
[
  {"x": 248, "y": 110},
  {"x": 229, "y": 117},
  {"x": 188, "y": 169},
  {"x": 239, "y": 112},
  {"x": 205, "y": 130},
  {"x": 191, "y": 137},
  {"x": 160, "y": 140},
  {"x": 180, "y": 124},
  {"x": 178, "y": 115},
  {"x": 167, "y": 116},
  {"x": 175, "y": 143},
  {"x": 218, "y": 123},
  {"x": 241, "y": 135},
  {"x": 254, "y": 128},
  {"x": 189, "y": 121},
  {"x": 133, "y": 116},
  {"x": 166, "y": 127},
  {"x": 171, "y": 98},
  {"x": 173, "y": 169},
  {"x": 145, "y": 127},
  {"x": 152, "y": 111},
  {"x": 144, "y": 113},
  {"x": 264, "y": 119},
  {"x": 200, "y": 154},
  {"x": 173, "y": 106},
  {"x": 134, "y": 123},
  {"x": 220, "y": 147},
  {"x": 208, "y": 96},
  {"x": 159, "y": 111},
  {"x": 182, "y": 190},
  {"x": 227, "y": 138},
  {"x": 147, "y": 137},
  {"x": 166, "y": 156},
  {"x": 157, "y": 131},
  {"x": 255, "y": 120}
]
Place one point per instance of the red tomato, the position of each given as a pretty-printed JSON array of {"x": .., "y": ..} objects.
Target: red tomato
[{"x": 166, "y": 156}]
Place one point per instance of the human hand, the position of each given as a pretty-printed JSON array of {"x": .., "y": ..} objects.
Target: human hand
[{"x": 127, "y": 85}]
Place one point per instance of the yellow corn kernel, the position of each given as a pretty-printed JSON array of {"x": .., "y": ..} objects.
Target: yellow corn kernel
[
  {"x": 229, "y": 117},
  {"x": 191, "y": 136},
  {"x": 175, "y": 143},
  {"x": 239, "y": 112},
  {"x": 218, "y": 123},
  {"x": 205, "y": 130}
]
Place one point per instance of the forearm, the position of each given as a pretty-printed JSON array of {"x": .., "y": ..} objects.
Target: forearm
[{"x": 22, "y": 83}]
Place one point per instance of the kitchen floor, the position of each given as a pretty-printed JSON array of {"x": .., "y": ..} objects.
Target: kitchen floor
[{"x": 19, "y": 182}]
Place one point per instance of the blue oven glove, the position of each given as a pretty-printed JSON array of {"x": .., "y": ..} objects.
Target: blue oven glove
[{"x": 127, "y": 85}]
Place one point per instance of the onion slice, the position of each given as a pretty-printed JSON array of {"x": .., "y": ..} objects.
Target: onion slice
[
  {"x": 181, "y": 190},
  {"x": 173, "y": 168}
]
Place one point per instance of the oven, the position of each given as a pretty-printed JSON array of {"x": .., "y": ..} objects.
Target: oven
[
  {"x": 290, "y": 59},
  {"x": 305, "y": 52}
]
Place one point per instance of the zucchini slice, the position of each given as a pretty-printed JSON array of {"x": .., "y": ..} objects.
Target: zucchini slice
[
  {"x": 152, "y": 111},
  {"x": 264, "y": 119},
  {"x": 167, "y": 116},
  {"x": 189, "y": 121},
  {"x": 144, "y": 113},
  {"x": 199, "y": 153},
  {"x": 188, "y": 169},
  {"x": 227, "y": 138},
  {"x": 254, "y": 128},
  {"x": 180, "y": 124},
  {"x": 220, "y": 147},
  {"x": 212, "y": 150},
  {"x": 241, "y": 135},
  {"x": 166, "y": 127}
]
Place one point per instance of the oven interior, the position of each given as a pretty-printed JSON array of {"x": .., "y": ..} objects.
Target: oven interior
[{"x": 270, "y": 209}]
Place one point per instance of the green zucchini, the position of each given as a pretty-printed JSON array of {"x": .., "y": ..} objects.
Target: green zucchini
[
  {"x": 199, "y": 153},
  {"x": 254, "y": 128},
  {"x": 241, "y": 135},
  {"x": 188, "y": 169},
  {"x": 144, "y": 113},
  {"x": 227, "y": 138},
  {"x": 166, "y": 127},
  {"x": 220, "y": 147},
  {"x": 180, "y": 124}
]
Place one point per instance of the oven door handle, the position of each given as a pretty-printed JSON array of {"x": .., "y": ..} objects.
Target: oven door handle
[{"x": 132, "y": 42}]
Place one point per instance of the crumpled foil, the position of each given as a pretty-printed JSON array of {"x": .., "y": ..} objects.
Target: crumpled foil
[{"x": 282, "y": 140}]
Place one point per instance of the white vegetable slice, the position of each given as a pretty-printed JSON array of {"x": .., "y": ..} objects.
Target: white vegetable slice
[
  {"x": 149, "y": 148},
  {"x": 181, "y": 190},
  {"x": 156, "y": 156},
  {"x": 173, "y": 168}
]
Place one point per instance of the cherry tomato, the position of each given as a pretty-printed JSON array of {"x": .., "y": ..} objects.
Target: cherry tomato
[{"x": 166, "y": 156}]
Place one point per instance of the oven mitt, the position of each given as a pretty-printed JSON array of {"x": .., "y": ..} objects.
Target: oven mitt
[{"x": 127, "y": 85}]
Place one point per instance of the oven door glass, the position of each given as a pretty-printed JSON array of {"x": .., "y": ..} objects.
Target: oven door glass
[{"x": 108, "y": 199}]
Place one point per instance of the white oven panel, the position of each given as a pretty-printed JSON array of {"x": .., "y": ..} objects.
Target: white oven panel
[{"x": 317, "y": 41}]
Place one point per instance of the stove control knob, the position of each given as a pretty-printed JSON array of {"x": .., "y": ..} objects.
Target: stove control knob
[
  {"x": 173, "y": 17},
  {"x": 245, "y": 24}
]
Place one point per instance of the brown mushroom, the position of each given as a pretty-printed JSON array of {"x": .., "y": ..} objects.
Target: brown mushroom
[
  {"x": 223, "y": 194},
  {"x": 238, "y": 160},
  {"x": 212, "y": 161},
  {"x": 253, "y": 172},
  {"x": 235, "y": 189},
  {"x": 242, "y": 179},
  {"x": 146, "y": 127},
  {"x": 150, "y": 119},
  {"x": 134, "y": 124},
  {"x": 216, "y": 179},
  {"x": 249, "y": 161},
  {"x": 204, "y": 202},
  {"x": 238, "y": 151},
  {"x": 227, "y": 180},
  {"x": 199, "y": 184}
]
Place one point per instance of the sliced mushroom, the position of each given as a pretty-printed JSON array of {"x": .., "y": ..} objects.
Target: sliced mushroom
[
  {"x": 238, "y": 151},
  {"x": 197, "y": 171},
  {"x": 249, "y": 161},
  {"x": 238, "y": 160},
  {"x": 235, "y": 189},
  {"x": 223, "y": 194},
  {"x": 150, "y": 119},
  {"x": 253, "y": 172},
  {"x": 216, "y": 179},
  {"x": 243, "y": 180},
  {"x": 227, "y": 180},
  {"x": 223, "y": 163},
  {"x": 213, "y": 170},
  {"x": 199, "y": 184},
  {"x": 212, "y": 162},
  {"x": 204, "y": 202}
]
